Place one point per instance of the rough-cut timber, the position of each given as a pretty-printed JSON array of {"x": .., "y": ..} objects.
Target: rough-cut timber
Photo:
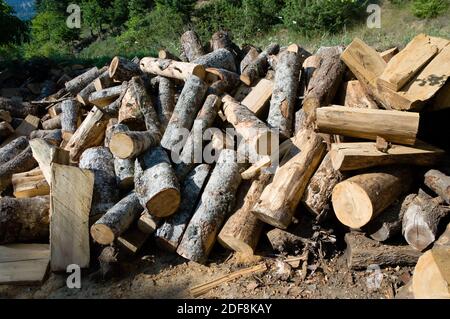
[
  {"x": 106, "y": 96},
  {"x": 355, "y": 96},
  {"x": 23, "y": 162},
  {"x": 360, "y": 199},
  {"x": 71, "y": 196},
  {"x": 69, "y": 116},
  {"x": 12, "y": 149},
  {"x": 24, "y": 219},
  {"x": 362, "y": 252},
  {"x": 30, "y": 184},
  {"x": 122, "y": 69},
  {"x": 124, "y": 170},
  {"x": 439, "y": 183},
  {"x": 191, "y": 45},
  {"x": 242, "y": 231},
  {"x": 219, "y": 59},
  {"x": 165, "y": 101},
  {"x": 188, "y": 105},
  {"x": 169, "y": 234},
  {"x": 217, "y": 201},
  {"x": 389, "y": 54},
  {"x": 258, "y": 99},
  {"x": 75, "y": 85},
  {"x": 258, "y": 68},
  {"x": 360, "y": 155},
  {"x": 393, "y": 126},
  {"x": 156, "y": 184},
  {"x": 280, "y": 199},
  {"x": 421, "y": 220},
  {"x": 17, "y": 109},
  {"x": 172, "y": 69},
  {"x": 116, "y": 220}
]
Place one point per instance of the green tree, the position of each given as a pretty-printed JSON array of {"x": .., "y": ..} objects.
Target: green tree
[
  {"x": 96, "y": 13},
  {"x": 52, "y": 5},
  {"x": 184, "y": 7},
  {"x": 13, "y": 29},
  {"x": 119, "y": 13},
  {"x": 139, "y": 8}
]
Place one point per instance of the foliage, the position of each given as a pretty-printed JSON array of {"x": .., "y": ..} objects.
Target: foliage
[
  {"x": 13, "y": 29},
  {"x": 426, "y": 9}
]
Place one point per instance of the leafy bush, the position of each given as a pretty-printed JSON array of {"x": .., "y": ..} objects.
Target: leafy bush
[
  {"x": 311, "y": 16},
  {"x": 425, "y": 9}
]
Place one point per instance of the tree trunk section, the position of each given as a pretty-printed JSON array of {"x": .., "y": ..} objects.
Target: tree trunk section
[
  {"x": 77, "y": 84},
  {"x": 12, "y": 149},
  {"x": 258, "y": 68},
  {"x": 172, "y": 69},
  {"x": 438, "y": 183},
  {"x": 191, "y": 45},
  {"x": 23, "y": 162},
  {"x": 165, "y": 101},
  {"x": 106, "y": 96},
  {"x": 124, "y": 170},
  {"x": 219, "y": 59},
  {"x": 122, "y": 69},
  {"x": 69, "y": 116}
]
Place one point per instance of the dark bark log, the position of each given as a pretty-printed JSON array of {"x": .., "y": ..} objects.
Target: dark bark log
[
  {"x": 77, "y": 84},
  {"x": 122, "y": 69},
  {"x": 17, "y": 109},
  {"x": 165, "y": 101},
  {"x": 52, "y": 124},
  {"x": 124, "y": 170},
  {"x": 23, "y": 162},
  {"x": 219, "y": 59},
  {"x": 191, "y": 46},
  {"x": 258, "y": 68}
]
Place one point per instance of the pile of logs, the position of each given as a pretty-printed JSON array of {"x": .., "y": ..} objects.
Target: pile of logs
[{"x": 116, "y": 156}]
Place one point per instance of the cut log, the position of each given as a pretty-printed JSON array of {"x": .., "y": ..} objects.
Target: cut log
[
  {"x": 310, "y": 65},
  {"x": 23, "y": 162},
  {"x": 317, "y": 196},
  {"x": 221, "y": 80},
  {"x": 389, "y": 54},
  {"x": 71, "y": 195},
  {"x": 222, "y": 40},
  {"x": 258, "y": 68},
  {"x": 130, "y": 112},
  {"x": 362, "y": 252},
  {"x": 12, "y": 149},
  {"x": 75, "y": 85},
  {"x": 438, "y": 183},
  {"x": 116, "y": 220},
  {"x": 111, "y": 128},
  {"x": 188, "y": 105},
  {"x": 166, "y": 55},
  {"x": 172, "y": 69},
  {"x": 393, "y": 126},
  {"x": 285, "y": 242},
  {"x": 360, "y": 155},
  {"x": 114, "y": 108},
  {"x": 360, "y": 199},
  {"x": 148, "y": 224},
  {"x": 103, "y": 79},
  {"x": 24, "y": 219},
  {"x": 216, "y": 202},
  {"x": 242, "y": 231},
  {"x": 17, "y": 109},
  {"x": 28, "y": 125},
  {"x": 69, "y": 116},
  {"x": 52, "y": 124},
  {"x": 128, "y": 145},
  {"x": 165, "y": 101},
  {"x": 191, "y": 45},
  {"x": 124, "y": 170},
  {"x": 402, "y": 68},
  {"x": 258, "y": 99},
  {"x": 355, "y": 96},
  {"x": 106, "y": 96},
  {"x": 156, "y": 184},
  {"x": 280, "y": 199},
  {"x": 90, "y": 134},
  {"x": 249, "y": 58},
  {"x": 421, "y": 220},
  {"x": 169, "y": 235},
  {"x": 219, "y": 59},
  {"x": 122, "y": 69},
  {"x": 284, "y": 96},
  {"x": 30, "y": 184},
  {"x": 325, "y": 81},
  {"x": 52, "y": 136}
]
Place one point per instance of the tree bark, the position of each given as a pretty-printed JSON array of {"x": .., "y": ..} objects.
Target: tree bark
[
  {"x": 52, "y": 136},
  {"x": 17, "y": 109},
  {"x": 124, "y": 170},
  {"x": 23, "y": 162},
  {"x": 438, "y": 183},
  {"x": 222, "y": 40},
  {"x": 221, "y": 80},
  {"x": 219, "y": 59},
  {"x": 249, "y": 58},
  {"x": 191, "y": 46},
  {"x": 52, "y": 124},
  {"x": 83, "y": 96},
  {"x": 172, "y": 69},
  {"x": 258, "y": 68},
  {"x": 165, "y": 101},
  {"x": 77, "y": 84},
  {"x": 122, "y": 69},
  {"x": 106, "y": 96},
  {"x": 69, "y": 116}
]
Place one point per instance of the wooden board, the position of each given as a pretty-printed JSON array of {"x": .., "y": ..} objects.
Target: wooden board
[
  {"x": 24, "y": 263},
  {"x": 259, "y": 96},
  {"x": 70, "y": 204}
]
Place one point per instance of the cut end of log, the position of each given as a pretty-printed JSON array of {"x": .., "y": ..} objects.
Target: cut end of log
[
  {"x": 165, "y": 203},
  {"x": 352, "y": 205},
  {"x": 280, "y": 219},
  {"x": 200, "y": 71},
  {"x": 235, "y": 244},
  {"x": 102, "y": 234},
  {"x": 121, "y": 145},
  {"x": 113, "y": 66}
]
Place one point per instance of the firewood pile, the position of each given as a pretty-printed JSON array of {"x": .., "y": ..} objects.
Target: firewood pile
[{"x": 118, "y": 156}]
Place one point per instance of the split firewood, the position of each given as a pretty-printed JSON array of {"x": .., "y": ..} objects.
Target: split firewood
[
  {"x": 186, "y": 109},
  {"x": 355, "y": 96},
  {"x": 165, "y": 101},
  {"x": 172, "y": 69},
  {"x": 30, "y": 184},
  {"x": 258, "y": 99},
  {"x": 438, "y": 183},
  {"x": 360, "y": 199},
  {"x": 258, "y": 68},
  {"x": 103, "y": 81},
  {"x": 394, "y": 126},
  {"x": 242, "y": 231},
  {"x": 23, "y": 162},
  {"x": 71, "y": 195},
  {"x": 130, "y": 112},
  {"x": 83, "y": 96},
  {"x": 106, "y": 96},
  {"x": 360, "y": 155},
  {"x": 124, "y": 169},
  {"x": 250, "y": 57},
  {"x": 285, "y": 242},
  {"x": 148, "y": 224},
  {"x": 216, "y": 202},
  {"x": 421, "y": 220},
  {"x": 122, "y": 69},
  {"x": 191, "y": 45},
  {"x": 362, "y": 252},
  {"x": 389, "y": 54},
  {"x": 170, "y": 233},
  {"x": 75, "y": 85},
  {"x": 156, "y": 184},
  {"x": 166, "y": 55},
  {"x": 52, "y": 124},
  {"x": 219, "y": 59},
  {"x": 69, "y": 116},
  {"x": 221, "y": 80},
  {"x": 24, "y": 219},
  {"x": 280, "y": 199},
  {"x": 116, "y": 220}
]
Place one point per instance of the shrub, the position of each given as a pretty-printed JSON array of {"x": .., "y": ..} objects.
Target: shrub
[{"x": 425, "y": 9}]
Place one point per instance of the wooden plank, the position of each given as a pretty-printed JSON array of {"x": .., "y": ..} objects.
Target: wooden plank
[
  {"x": 30, "y": 184},
  {"x": 70, "y": 202},
  {"x": 24, "y": 263},
  {"x": 259, "y": 97}
]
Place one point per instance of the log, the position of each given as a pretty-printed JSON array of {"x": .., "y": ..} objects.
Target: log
[
  {"x": 325, "y": 81},
  {"x": 170, "y": 233},
  {"x": 17, "y": 109},
  {"x": 242, "y": 231},
  {"x": 166, "y": 55},
  {"x": 219, "y": 59},
  {"x": 122, "y": 69},
  {"x": 393, "y": 126},
  {"x": 156, "y": 184},
  {"x": 317, "y": 196},
  {"x": 103, "y": 81},
  {"x": 83, "y": 96},
  {"x": 23, "y": 162},
  {"x": 216, "y": 202},
  {"x": 251, "y": 56},
  {"x": 221, "y": 80},
  {"x": 71, "y": 195},
  {"x": 114, "y": 108},
  {"x": 52, "y": 136},
  {"x": 191, "y": 45},
  {"x": 129, "y": 145},
  {"x": 6, "y": 130},
  {"x": 258, "y": 68},
  {"x": 70, "y": 116},
  {"x": 30, "y": 184},
  {"x": 421, "y": 220},
  {"x": 310, "y": 65},
  {"x": 124, "y": 170},
  {"x": 12, "y": 149},
  {"x": 90, "y": 134},
  {"x": 77, "y": 84},
  {"x": 184, "y": 114},
  {"x": 111, "y": 128},
  {"x": 148, "y": 224},
  {"x": 360, "y": 199},
  {"x": 172, "y": 69},
  {"x": 106, "y": 96},
  {"x": 300, "y": 121},
  {"x": 280, "y": 199},
  {"x": 284, "y": 96},
  {"x": 355, "y": 96},
  {"x": 165, "y": 101},
  {"x": 52, "y": 124},
  {"x": 132, "y": 241},
  {"x": 285, "y": 242},
  {"x": 222, "y": 40},
  {"x": 106, "y": 194},
  {"x": 28, "y": 125},
  {"x": 116, "y": 220},
  {"x": 258, "y": 99},
  {"x": 24, "y": 219},
  {"x": 362, "y": 252},
  {"x": 360, "y": 155},
  {"x": 438, "y": 183}
]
